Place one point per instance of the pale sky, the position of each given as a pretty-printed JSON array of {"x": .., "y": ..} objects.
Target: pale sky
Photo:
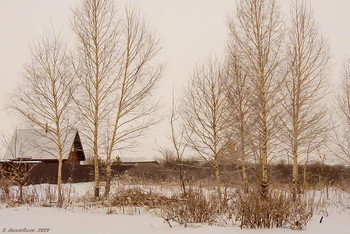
[{"x": 190, "y": 30}]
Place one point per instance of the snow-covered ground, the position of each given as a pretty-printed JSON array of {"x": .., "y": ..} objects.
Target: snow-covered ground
[
  {"x": 62, "y": 221},
  {"x": 73, "y": 219}
]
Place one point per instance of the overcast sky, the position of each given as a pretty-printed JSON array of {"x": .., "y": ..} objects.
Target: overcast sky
[{"x": 190, "y": 30}]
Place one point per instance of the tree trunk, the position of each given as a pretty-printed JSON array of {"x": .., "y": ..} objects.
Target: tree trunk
[
  {"x": 264, "y": 179},
  {"x": 59, "y": 182},
  {"x": 296, "y": 188},
  {"x": 181, "y": 175},
  {"x": 243, "y": 157},
  {"x": 97, "y": 178},
  {"x": 95, "y": 143},
  {"x": 245, "y": 177},
  {"x": 21, "y": 192},
  {"x": 108, "y": 176},
  {"x": 96, "y": 166},
  {"x": 60, "y": 162},
  {"x": 305, "y": 171},
  {"x": 217, "y": 175}
]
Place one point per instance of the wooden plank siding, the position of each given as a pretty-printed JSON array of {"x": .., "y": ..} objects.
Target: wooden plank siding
[{"x": 47, "y": 172}]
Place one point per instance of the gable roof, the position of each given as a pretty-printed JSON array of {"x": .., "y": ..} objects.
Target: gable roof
[{"x": 38, "y": 144}]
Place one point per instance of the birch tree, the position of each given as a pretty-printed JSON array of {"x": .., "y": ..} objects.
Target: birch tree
[
  {"x": 304, "y": 117},
  {"x": 240, "y": 101},
  {"x": 257, "y": 30},
  {"x": 118, "y": 73},
  {"x": 206, "y": 114},
  {"x": 43, "y": 98},
  {"x": 97, "y": 31},
  {"x": 140, "y": 74}
]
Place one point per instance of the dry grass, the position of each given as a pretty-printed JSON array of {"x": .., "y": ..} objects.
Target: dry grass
[
  {"x": 278, "y": 210},
  {"x": 139, "y": 197},
  {"x": 200, "y": 205},
  {"x": 197, "y": 207}
]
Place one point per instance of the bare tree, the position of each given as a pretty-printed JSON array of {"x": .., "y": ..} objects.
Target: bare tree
[
  {"x": 44, "y": 97},
  {"x": 139, "y": 77},
  {"x": 240, "y": 100},
  {"x": 117, "y": 74},
  {"x": 14, "y": 172},
  {"x": 258, "y": 32},
  {"x": 342, "y": 137},
  {"x": 206, "y": 114},
  {"x": 97, "y": 31},
  {"x": 179, "y": 142},
  {"x": 304, "y": 118}
]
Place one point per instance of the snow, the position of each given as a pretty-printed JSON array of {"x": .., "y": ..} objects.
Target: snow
[
  {"x": 96, "y": 220},
  {"x": 65, "y": 221},
  {"x": 69, "y": 221}
]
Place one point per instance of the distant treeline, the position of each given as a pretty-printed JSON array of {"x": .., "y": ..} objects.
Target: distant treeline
[{"x": 279, "y": 173}]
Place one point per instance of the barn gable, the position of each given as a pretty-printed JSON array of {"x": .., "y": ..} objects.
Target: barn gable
[{"x": 40, "y": 145}]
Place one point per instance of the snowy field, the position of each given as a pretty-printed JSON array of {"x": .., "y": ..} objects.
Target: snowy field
[
  {"x": 75, "y": 219},
  {"x": 65, "y": 221}
]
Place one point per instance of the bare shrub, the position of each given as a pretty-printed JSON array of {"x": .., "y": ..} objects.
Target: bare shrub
[
  {"x": 139, "y": 197},
  {"x": 14, "y": 174},
  {"x": 38, "y": 195},
  {"x": 5, "y": 190},
  {"x": 276, "y": 210},
  {"x": 196, "y": 207}
]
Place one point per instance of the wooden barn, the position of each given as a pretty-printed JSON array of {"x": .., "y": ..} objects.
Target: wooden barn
[{"x": 39, "y": 146}]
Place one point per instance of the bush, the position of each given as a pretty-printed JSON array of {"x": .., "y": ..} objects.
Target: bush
[
  {"x": 195, "y": 207},
  {"x": 139, "y": 197},
  {"x": 276, "y": 210}
]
